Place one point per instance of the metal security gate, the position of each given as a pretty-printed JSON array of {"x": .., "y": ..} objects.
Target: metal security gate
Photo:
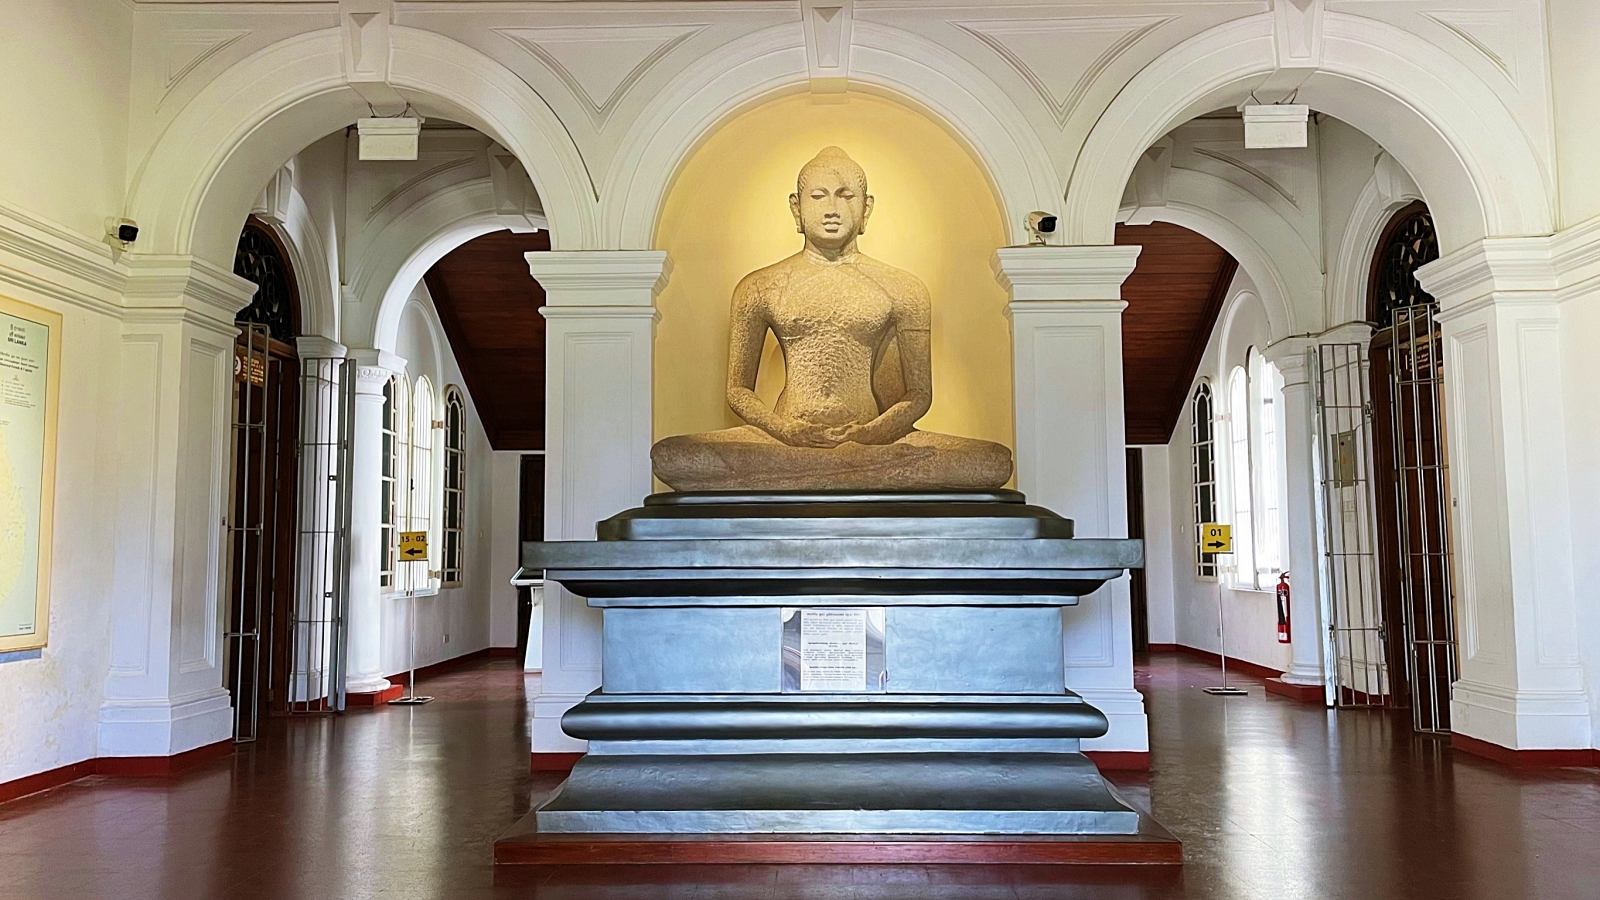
[
  {"x": 1421, "y": 508},
  {"x": 321, "y": 607},
  {"x": 256, "y": 526},
  {"x": 1357, "y": 641}
]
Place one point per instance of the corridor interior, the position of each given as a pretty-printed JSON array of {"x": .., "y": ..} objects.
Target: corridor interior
[{"x": 1274, "y": 800}]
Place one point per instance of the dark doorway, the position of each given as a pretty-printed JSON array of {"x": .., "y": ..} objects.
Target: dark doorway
[
  {"x": 530, "y": 527},
  {"x": 261, "y": 524},
  {"x": 1138, "y": 599}
]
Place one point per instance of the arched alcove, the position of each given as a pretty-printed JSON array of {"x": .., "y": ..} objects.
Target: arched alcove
[{"x": 935, "y": 216}]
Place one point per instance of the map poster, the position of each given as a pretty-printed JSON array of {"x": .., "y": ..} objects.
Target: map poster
[{"x": 30, "y": 364}]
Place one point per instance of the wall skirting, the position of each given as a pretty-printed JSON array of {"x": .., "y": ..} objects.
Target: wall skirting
[
  {"x": 1525, "y": 759},
  {"x": 115, "y": 766}
]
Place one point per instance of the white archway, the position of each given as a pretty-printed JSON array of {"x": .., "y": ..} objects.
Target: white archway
[
  {"x": 1377, "y": 204},
  {"x": 1469, "y": 154},
  {"x": 884, "y": 61},
  {"x": 198, "y": 182}
]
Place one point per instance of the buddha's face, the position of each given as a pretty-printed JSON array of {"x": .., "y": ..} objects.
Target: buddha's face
[{"x": 830, "y": 208}]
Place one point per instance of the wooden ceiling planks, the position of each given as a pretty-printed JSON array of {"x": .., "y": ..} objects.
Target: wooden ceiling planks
[
  {"x": 1174, "y": 297},
  {"x": 489, "y": 306}
]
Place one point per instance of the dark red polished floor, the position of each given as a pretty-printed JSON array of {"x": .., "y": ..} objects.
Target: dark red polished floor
[{"x": 1273, "y": 799}]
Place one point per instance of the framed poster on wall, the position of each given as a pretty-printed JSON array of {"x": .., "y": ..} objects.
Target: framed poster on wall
[{"x": 30, "y": 385}]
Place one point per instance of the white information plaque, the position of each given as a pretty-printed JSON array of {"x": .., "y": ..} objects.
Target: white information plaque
[
  {"x": 30, "y": 357},
  {"x": 833, "y": 650}
]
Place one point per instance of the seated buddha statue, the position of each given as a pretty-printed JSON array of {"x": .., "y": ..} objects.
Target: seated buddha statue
[{"x": 857, "y": 371}]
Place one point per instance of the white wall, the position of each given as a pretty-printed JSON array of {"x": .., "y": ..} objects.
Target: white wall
[
  {"x": 504, "y": 552},
  {"x": 454, "y": 621},
  {"x": 1160, "y": 545},
  {"x": 1250, "y": 617},
  {"x": 65, "y": 68}
]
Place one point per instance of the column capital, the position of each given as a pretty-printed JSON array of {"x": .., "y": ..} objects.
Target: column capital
[
  {"x": 1034, "y": 274},
  {"x": 1493, "y": 271},
  {"x": 600, "y": 277},
  {"x": 374, "y": 368},
  {"x": 166, "y": 288},
  {"x": 315, "y": 346},
  {"x": 1291, "y": 357}
]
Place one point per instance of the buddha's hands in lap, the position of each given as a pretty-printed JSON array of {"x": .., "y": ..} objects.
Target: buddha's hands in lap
[{"x": 797, "y": 433}]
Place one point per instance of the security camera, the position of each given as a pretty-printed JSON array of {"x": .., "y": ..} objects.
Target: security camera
[
  {"x": 1039, "y": 225},
  {"x": 123, "y": 230}
]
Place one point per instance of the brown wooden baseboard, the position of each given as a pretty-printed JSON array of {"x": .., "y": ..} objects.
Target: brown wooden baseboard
[
  {"x": 1305, "y": 693},
  {"x": 553, "y": 762},
  {"x": 44, "y": 781},
  {"x": 444, "y": 665},
  {"x": 1525, "y": 759},
  {"x": 116, "y": 766},
  {"x": 163, "y": 765},
  {"x": 503, "y": 651},
  {"x": 375, "y": 698},
  {"x": 1120, "y": 760},
  {"x": 1242, "y": 666},
  {"x": 524, "y": 846}
]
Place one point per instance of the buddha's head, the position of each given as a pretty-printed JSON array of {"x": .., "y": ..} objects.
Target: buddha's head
[{"x": 830, "y": 202}]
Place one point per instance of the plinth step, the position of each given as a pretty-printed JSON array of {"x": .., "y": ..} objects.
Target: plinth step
[{"x": 523, "y": 845}]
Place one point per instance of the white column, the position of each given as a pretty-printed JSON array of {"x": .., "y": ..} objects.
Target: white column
[
  {"x": 1066, "y": 339},
  {"x": 364, "y": 624},
  {"x": 600, "y": 330},
  {"x": 1292, "y": 357},
  {"x": 1522, "y": 680},
  {"x": 164, "y": 692}
]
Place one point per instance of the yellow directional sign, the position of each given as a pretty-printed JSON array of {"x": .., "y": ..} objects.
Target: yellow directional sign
[
  {"x": 1216, "y": 538},
  {"x": 414, "y": 545}
]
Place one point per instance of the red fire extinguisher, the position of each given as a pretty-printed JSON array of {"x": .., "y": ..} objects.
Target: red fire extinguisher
[{"x": 1283, "y": 608}]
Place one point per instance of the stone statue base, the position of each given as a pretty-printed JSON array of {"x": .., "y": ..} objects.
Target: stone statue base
[
  {"x": 957, "y": 725},
  {"x": 747, "y": 458}
]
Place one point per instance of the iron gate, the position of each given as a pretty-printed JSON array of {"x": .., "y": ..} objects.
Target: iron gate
[
  {"x": 1422, "y": 515},
  {"x": 322, "y": 564},
  {"x": 1356, "y": 633}
]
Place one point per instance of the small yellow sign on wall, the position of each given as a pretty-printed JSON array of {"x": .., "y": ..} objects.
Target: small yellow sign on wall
[
  {"x": 1214, "y": 538},
  {"x": 413, "y": 546}
]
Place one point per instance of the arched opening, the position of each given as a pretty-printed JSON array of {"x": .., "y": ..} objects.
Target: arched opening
[
  {"x": 264, "y": 495},
  {"x": 1411, "y": 473}
]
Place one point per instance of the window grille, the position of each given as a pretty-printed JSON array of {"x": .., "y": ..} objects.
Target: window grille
[
  {"x": 1204, "y": 461},
  {"x": 455, "y": 434}
]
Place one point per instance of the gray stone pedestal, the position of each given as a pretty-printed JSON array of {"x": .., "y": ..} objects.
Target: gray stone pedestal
[{"x": 960, "y": 724}]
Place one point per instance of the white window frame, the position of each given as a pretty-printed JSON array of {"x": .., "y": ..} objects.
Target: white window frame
[
  {"x": 392, "y": 474},
  {"x": 1267, "y": 454},
  {"x": 1241, "y": 480},
  {"x": 422, "y": 482}
]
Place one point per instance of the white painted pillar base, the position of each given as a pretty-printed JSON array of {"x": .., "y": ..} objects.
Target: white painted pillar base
[
  {"x": 1522, "y": 682},
  {"x": 1066, "y": 339},
  {"x": 1293, "y": 359},
  {"x": 599, "y": 351},
  {"x": 164, "y": 692},
  {"x": 364, "y": 625}
]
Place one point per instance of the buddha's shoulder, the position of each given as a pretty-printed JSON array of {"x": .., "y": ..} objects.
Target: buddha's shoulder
[
  {"x": 896, "y": 281},
  {"x": 766, "y": 278}
]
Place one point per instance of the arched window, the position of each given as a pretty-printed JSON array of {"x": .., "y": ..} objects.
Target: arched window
[
  {"x": 1408, "y": 243},
  {"x": 1204, "y": 460},
  {"x": 455, "y": 483},
  {"x": 262, "y": 259},
  {"x": 392, "y": 510},
  {"x": 420, "y": 492},
  {"x": 1240, "y": 482},
  {"x": 1266, "y": 386}
]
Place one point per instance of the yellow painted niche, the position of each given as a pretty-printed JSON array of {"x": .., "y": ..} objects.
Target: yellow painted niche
[{"x": 935, "y": 216}]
